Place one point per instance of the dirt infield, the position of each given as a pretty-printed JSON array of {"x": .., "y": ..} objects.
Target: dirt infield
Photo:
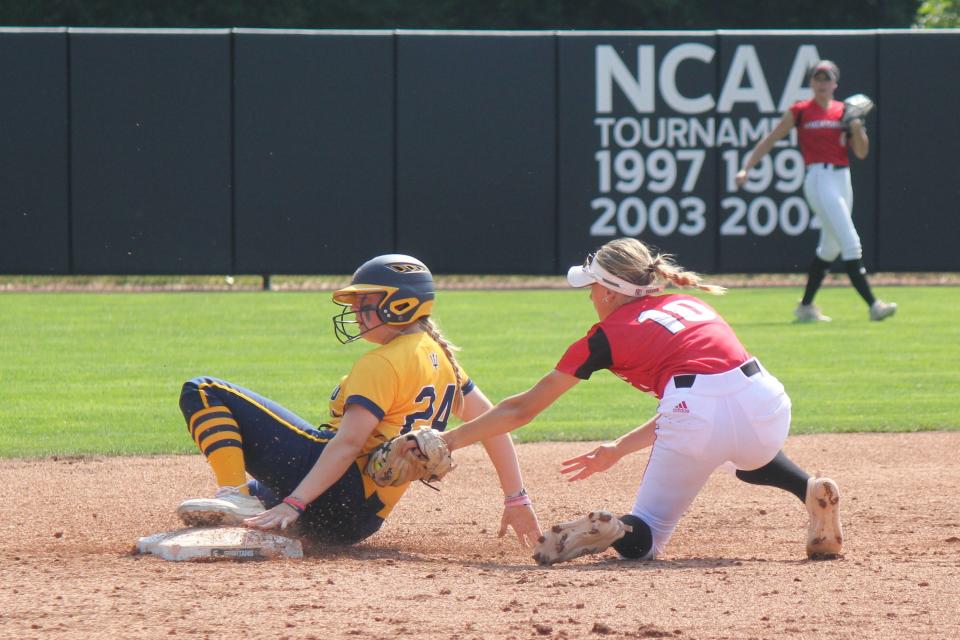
[{"x": 735, "y": 568}]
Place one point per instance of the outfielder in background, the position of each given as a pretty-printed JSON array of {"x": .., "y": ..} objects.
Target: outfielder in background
[
  {"x": 826, "y": 130},
  {"x": 717, "y": 405},
  {"x": 319, "y": 477}
]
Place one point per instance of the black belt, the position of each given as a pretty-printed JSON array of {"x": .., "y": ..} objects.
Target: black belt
[
  {"x": 685, "y": 381},
  {"x": 827, "y": 165}
]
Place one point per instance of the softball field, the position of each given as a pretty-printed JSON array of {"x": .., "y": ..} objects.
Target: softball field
[{"x": 735, "y": 568}]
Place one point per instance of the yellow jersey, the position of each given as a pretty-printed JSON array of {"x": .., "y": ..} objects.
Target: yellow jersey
[{"x": 405, "y": 383}]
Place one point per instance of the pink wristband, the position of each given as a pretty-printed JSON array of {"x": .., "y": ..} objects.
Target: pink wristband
[
  {"x": 518, "y": 501},
  {"x": 298, "y": 506}
]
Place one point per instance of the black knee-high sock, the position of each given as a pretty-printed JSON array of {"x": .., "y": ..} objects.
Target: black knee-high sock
[
  {"x": 782, "y": 473},
  {"x": 638, "y": 542},
  {"x": 818, "y": 271},
  {"x": 858, "y": 276}
]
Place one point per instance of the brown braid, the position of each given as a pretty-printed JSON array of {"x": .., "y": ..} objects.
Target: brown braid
[{"x": 431, "y": 328}]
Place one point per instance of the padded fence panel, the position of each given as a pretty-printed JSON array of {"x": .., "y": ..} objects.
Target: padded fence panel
[
  {"x": 314, "y": 150},
  {"x": 34, "y": 222},
  {"x": 919, "y": 178},
  {"x": 150, "y": 161},
  {"x": 635, "y": 152},
  {"x": 477, "y": 151}
]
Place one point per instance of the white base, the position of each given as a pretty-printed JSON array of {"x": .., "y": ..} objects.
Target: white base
[{"x": 203, "y": 543}]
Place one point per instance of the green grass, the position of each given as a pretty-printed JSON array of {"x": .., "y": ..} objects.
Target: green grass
[{"x": 100, "y": 373}]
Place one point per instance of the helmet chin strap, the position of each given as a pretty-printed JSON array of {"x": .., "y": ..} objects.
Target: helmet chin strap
[
  {"x": 402, "y": 330},
  {"x": 413, "y": 327}
]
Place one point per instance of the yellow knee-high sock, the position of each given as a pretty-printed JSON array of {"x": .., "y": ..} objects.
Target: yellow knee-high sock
[{"x": 217, "y": 434}]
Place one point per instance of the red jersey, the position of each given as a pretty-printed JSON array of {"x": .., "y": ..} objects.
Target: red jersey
[
  {"x": 648, "y": 341},
  {"x": 820, "y": 132}
]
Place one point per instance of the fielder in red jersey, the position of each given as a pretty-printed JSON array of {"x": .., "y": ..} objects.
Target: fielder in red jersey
[
  {"x": 825, "y": 143},
  {"x": 719, "y": 407},
  {"x": 820, "y": 132},
  {"x": 648, "y": 341}
]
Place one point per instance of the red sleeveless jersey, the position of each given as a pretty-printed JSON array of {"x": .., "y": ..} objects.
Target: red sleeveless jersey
[
  {"x": 648, "y": 341},
  {"x": 820, "y": 132}
]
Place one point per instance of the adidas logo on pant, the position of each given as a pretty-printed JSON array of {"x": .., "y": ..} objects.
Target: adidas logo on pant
[{"x": 681, "y": 408}]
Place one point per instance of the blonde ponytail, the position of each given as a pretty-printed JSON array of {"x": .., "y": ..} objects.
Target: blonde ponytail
[
  {"x": 664, "y": 267},
  {"x": 630, "y": 259}
]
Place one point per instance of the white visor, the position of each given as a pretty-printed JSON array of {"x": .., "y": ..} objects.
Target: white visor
[{"x": 591, "y": 271}]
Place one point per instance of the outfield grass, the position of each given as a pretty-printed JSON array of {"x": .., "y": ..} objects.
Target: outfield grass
[{"x": 100, "y": 373}]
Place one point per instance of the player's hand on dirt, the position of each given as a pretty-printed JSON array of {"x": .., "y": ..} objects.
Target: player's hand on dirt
[
  {"x": 740, "y": 178},
  {"x": 279, "y": 517},
  {"x": 523, "y": 520},
  {"x": 584, "y": 466}
]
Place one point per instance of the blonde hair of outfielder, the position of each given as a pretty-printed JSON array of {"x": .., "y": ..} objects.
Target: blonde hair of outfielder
[
  {"x": 633, "y": 261},
  {"x": 431, "y": 328}
]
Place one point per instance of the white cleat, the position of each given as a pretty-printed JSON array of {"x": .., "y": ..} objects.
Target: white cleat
[
  {"x": 880, "y": 310},
  {"x": 809, "y": 313},
  {"x": 824, "y": 533},
  {"x": 590, "y": 534},
  {"x": 227, "y": 507}
]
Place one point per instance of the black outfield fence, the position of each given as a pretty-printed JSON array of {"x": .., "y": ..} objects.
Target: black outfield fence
[{"x": 211, "y": 151}]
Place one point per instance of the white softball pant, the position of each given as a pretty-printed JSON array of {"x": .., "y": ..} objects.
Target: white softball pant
[
  {"x": 722, "y": 417},
  {"x": 830, "y": 194}
]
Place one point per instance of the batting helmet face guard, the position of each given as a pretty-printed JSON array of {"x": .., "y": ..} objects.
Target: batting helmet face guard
[{"x": 398, "y": 288}]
